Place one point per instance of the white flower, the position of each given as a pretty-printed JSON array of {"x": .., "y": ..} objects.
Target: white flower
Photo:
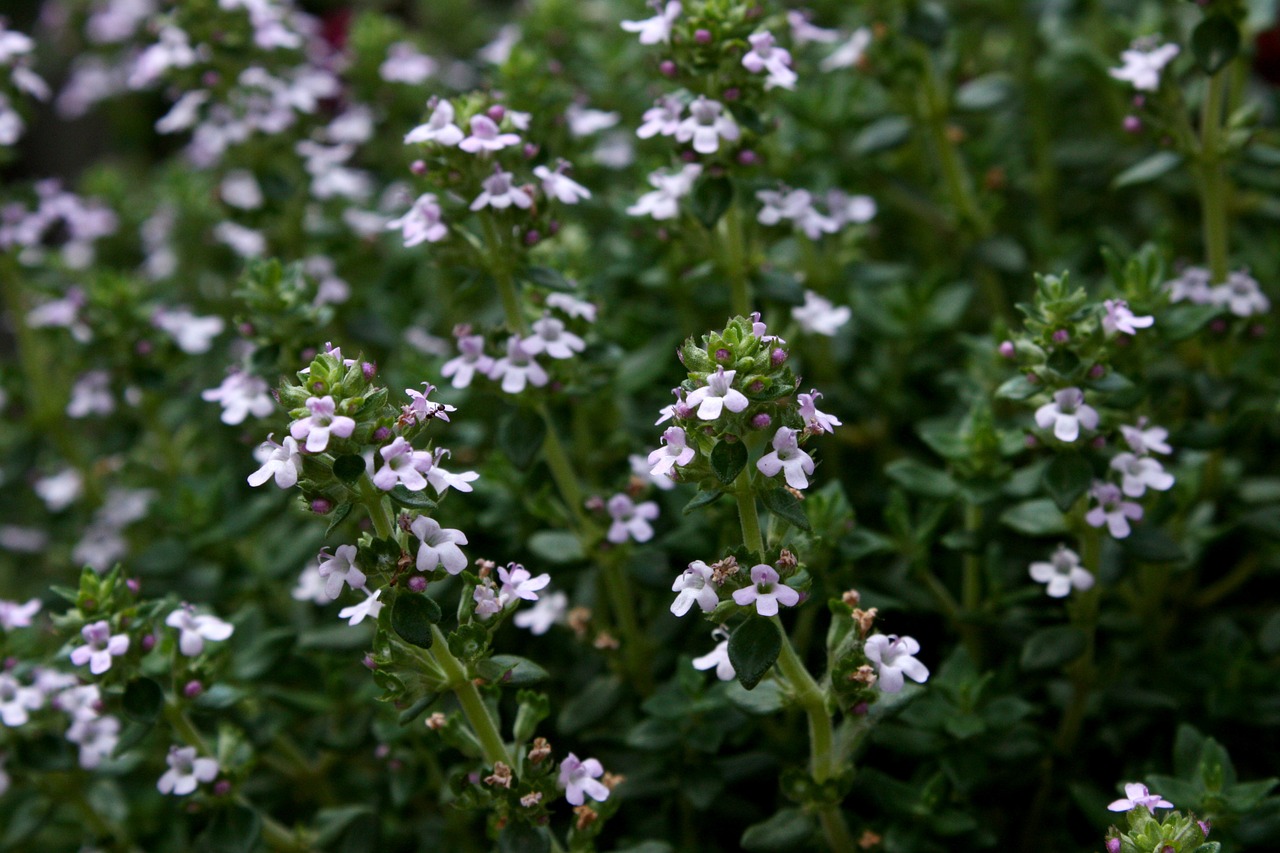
[
  {"x": 438, "y": 128},
  {"x": 663, "y": 202},
  {"x": 1139, "y": 473},
  {"x": 765, "y": 55},
  {"x": 16, "y": 701},
  {"x": 518, "y": 368},
  {"x": 630, "y": 519},
  {"x": 283, "y": 462},
  {"x": 1142, "y": 67},
  {"x": 1143, "y": 439},
  {"x": 815, "y": 420},
  {"x": 310, "y": 587},
  {"x": 766, "y": 592},
  {"x": 15, "y": 615},
  {"x": 717, "y": 395},
  {"x": 1240, "y": 295},
  {"x": 405, "y": 64},
  {"x": 91, "y": 395},
  {"x": 420, "y": 410},
  {"x": 369, "y": 608},
  {"x": 549, "y": 336},
  {"x": 1192, "y": 285},
  {"x": 572, "y": 306},
  {"x": 787, "y": 457},
  {"x": 193, "y": 335},
  {"x": 1066, "y": 414},
  {"x": 1062, "y": 572},
  {"x": 518, "y": 582},
  {"x": 579, "y": 778},
  {"x": 676, "y": 452},
  {"x": 183, "y": 114},
  {"x": 655, "y": 30},
  {"x": 849, "y": 53},
  {"x": 423, "y": 222},
  {"x": 240, "y": 189},
  {"x": 1112, "y": 510},
  {"x": 96, "y": 736},
  {"x": 500, "y": 193},
  {"x": 489, "y": 602},
  {"x": 706, "y": 125},
  {"x": 339, "y": 568},
  {"x": 186, "y": 772},
  {"x": 559, "y": 186},
  {"x": 662, "y": 118},
  {"x": 583, "y": 121},
  {"x": 819, "y": 316},
  {"x": 318, "y": 425},
  {"x": 440, "y": 479},
  {"x": 471, "y": 361},
  {"x": 694, "y": 586},
  {"x": 241, "y": 395},
  {"x": 894, "y": 658},
  {"x": 718, "y": 658},
  {"x": 439, "y": 546},
  {"x": 803, "y": 31},
  {"x": 194, "y": 630},
  {"x": 1137, "y": 795},
  {"x": 1119, "y": 318},
  {"x": 485, "y": 136},
  {"x": 402, "y": 465},
  {"x": 60, "y": 490},
  {"x": 547, "y": 611},
  {"x": 245, "y": 242},
  {"x": 100, "y": 647}
]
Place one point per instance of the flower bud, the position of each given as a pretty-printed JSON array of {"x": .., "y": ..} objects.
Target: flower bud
[
  {"x": 595, "y": 503},
  {"x": 747, "y": 157},
  {"x": 369, "y": 370},
  {"x": 1099, "y": 442},
  {"x": 1205, "y": 826},
  {"x": 778, "y": 356},
  {"x": 246, "y": 329},
  {"x": 761, "y": 421},
  {"x": 667, "y": 68},
  {"x": 417, "y": 583},
  {"x": 553, "y": 227},
  {"x": 418, "y": 167},
  {"x": 222, "y": 788},
  {"x": 1097, "y": 371},
  {"x": 1031, "y": 441},
  {"x": 756, "y": 387},
  {"x": 134, "y": 585},
  {"x": 382, "y": 434},
  {"x": 369, "y": 662},
  {"x": 1007, "y": 350},
  {"x": 1061, "y": 336},
  {"x": 148, "y": 642},
  {"x": 530, "y": 151},
  {"x": 732, "y": 94},
  {"x": 1113, "y": 845},
  {"x": 860, "y": 710},
  {"x": 531, "y": 237},
  {"x": 192, "y": 689},
  {"x": 1132, "y": 124},
  {"x": 210, "y": 79},
  {"x": 322, "y": 506},
  {"x": 702, "y": 36},
  {"x": 688, "y": 156},
  {"x": 723, "y": 355},
  {"x": 497, "y": 112},
  {"x": 1218, "y": 326}
]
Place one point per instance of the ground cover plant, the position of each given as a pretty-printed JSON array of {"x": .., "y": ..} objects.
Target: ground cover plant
[{"x": 576, "y": 426}]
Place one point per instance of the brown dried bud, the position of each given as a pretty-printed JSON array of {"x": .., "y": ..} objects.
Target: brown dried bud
[
  {"x": 579, "y": 619},
  {"x": 724, "y": 569},
  {"x": 586, "y": 816},
  {"x": 869, "y": 839},
  {"x": 437, "y": 721},
  {"x": 795, "y": 493},
  {"x": 531, "y": 799},
  {"x": 864, "y": 618},
  {"x": 864, "y": 674},
  {"x": 612, "y": 780},
  {"x": 501, "y": 776},
  {"x": 605, "y": 640},
  {"x": 851, "y": 597},
  {"x": 787, "y": 560},
  {"x": 484, "y": 567},
  {"x": 956, "y": 134},
  {"x": 539, "y": 750}
]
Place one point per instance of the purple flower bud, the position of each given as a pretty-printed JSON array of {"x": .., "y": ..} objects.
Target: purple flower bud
[
  {"x": 1258, "y": 330},
  {"x": 702, "y": 36},
  {"x": 1007, "y": 350},
  {"x": 192, "y": 689},
  {"x": 555, "y": 67},
  {"x": 1205, "y": 826},
  {"x": 667, "y": 68},
  {"x": 778, "y": 356},
  {"x": 381, "y": 434},
  {"x": 530, "y": 151},
  {"x": 10, "y": 662},
  {"x": 723, "y": 355},
  {"x": 761, "y": 421},
  {"x": 1097, "y": 371},
  {"x": 1099, "y": 442},
  {"x": 663, "y": 235},
  {"x": 210, "y": 79},
  {"x": 1168, "y": 848},
  {"x": 1218, "y": 326},
  {"x": 553, "y": 227},
  {"x": 143, "y": 347},
  {"x": 1132, "y": 124},
  {"x": 747, "y": 157},
  {"x": 683, "y": 411},
  {"x": 1139, "y": 101},
  {"x": 1031, "y": 441},
  {"x": 595, "y": 503},
  {"x": 756, "y": 387},
  {"x": 395, "y": 764},
  {"x": 246, "y": 329},
  {"x": 688, "y": 156},
  {"x": 1061, "y": 336},
  {"x": 381, "y": 751},
  {"x": 308, "y": 354},
  {"x": 732, "y": 93},
  {"x": 134, "y": 585},
  {"x": 417, "y": 583},
  {"x": 148, "y": 642},
  {"x": 318, "y": 386},
  {"x": 1113, "y": 845},
  {"x": 369, "y": 662},
  {"x": 418, "y": 167},
  {"x": 861, "y": 709},
  {"x": 221, "y": 788},
  {"x": 1033, "y": 379},
  {"x": 322, "y": 506},
  {"x": 369, "y": 369},
  {"x": 497, "y": 112},
  {"x": 531, "y": 237}
]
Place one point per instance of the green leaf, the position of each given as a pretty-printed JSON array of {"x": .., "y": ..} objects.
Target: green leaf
[
  {"x": 984, "y": 93},
  {"x": 143, "y": 699},
  {"x": 765, "y": 699},
  {"x": 1017, "y": 388},
  {"x": 710, "y": 199},
  {"x": 511, "y": 670},
  {"x": 401, "y": 496},
  {"x": 882, "y": 135},
  {"x": 348, "y": 468},
  {"x": 753, "y": 649},
  {"x": 469, "y": 642},
  {"x": 786, "y": 506},
  {"x": 701, "y": 499},
  {"x": 789, "y": 829},
  {"x": 520, "y": 435},
  {"x": 728, "y": 458},
  {"x": 549, "y": 278},
  {"x": 234, "y": 829},
  {"x": 338, "y": 516},
  {"x": 1153, "y": 545},
  {"x": 330, "y": 823},
  {"x": 557, "y": 546},
  {"x": 1148, "y": 169},
  {"x": 597, "y": 698},
  {"x": 1214, "y": 43},
  {"x": 408, "y": 715},
  {"x": 921, "y": 479},
  {"x": 520, "y": 837},
  {"x": 1067, "y": 477},
  {"x": 1053, "y": 647},
  {"x": 1035, "y": 518},
  {"x": 412, "y": 616}
]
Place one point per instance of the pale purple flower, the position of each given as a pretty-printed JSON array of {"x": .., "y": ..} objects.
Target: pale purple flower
[
  {"x": 676, "y": 452},
  {"x": 186, "y": 771},
  {"x": 579, "y": 778},
  {"x": 560, "y": 186},
  {"x": 239, "y": 188},
  {"x": 663, "y": 201},
  {"x": 283, "y": 462},
  {"x": 311, "y": 586},
  {"x": 814, "y": 419},
  {"x": 100, "y": 647},
  {"x": 894, "y": 657},
  {"x": 583, "y": 121},
  {"x": 1142, "y": 67},
  {"x": 694, "y": 586},
  {"x": 788, "y": 458},
  {"x": 485, "y": 136},
  {"x": 322, "y": 421},
  {"x": 640, "y": 471},
  {"x": 402, "y": 465},
  {"x": 706, "y": 125},
  {"x": 500, "y": 193},
  {"x": 1139, "y": 473},
  {"x": 783, "y": 204},
  {"x": 241, "y": 395},
  {"x": 439, "y": 127},
  {"x": 820, "y": 316},
  {"x": 717, "y": 395},
  {"x": 405, "y": 64},
  {"x": 1062, "y": 572},
  {"x": 60, "y": 490},
  {"x": 77, "y": 701},
  {"x": 718, "y": 658},
  {"x": 245, "y": 242},
  {"x": 1066, "y": 414},
  {"x": 572, "y": 306},
  {"x": 1191, "y": 286},
  {"x": 14, "y": 615},
  {"x": 420, "y": 409},
  {"x": 518, "y": 368},
  {"x": 547, "y": 611},
  {"x": 850, "y": 209},
  {"x": 340, "y": 568},
  {"x": 1240, "y": 295},
  {"x": 369, "y": 608},
  {"x": 1119, "y": 318},
  {"x": 1135, "y": 795},
  {"x": 17, "y": 701},
  {"x": 489, "y": 602},
  {"x": 471, "y": 361},
  {"x": 96, "y": 736},
  {"x": 1112, "y": 510},
  {"x": 172, "y": 51},
  {"x": 440, "y": 479},
  {"x": 194, "y": 335},
  {"x": 439, "y": 546},
  {"x": 803, "y": 31},
  {"x": 630, "y": 519},
  {"x": 1143, "y": 439},
  {"x": 184, "y": 113},
  {"x": 91, "y": 395},
  {"x": 663, "y": 118},
  {"x": 655, "y": 30},
  {"x": 766, "y": 592},
  {"x": 765, "y": 55},
  {"x": 193, "y": 630},
  {"x": 850, "y": 52},
  {"x": 518, "y": 582},
  {"x": 549, "y": 336},
  {"x": 62, "y": 313},
  {"x": 421, "y": 223}
]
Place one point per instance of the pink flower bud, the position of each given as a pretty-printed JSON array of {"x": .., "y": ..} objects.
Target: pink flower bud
[
  {"x": 308, "y": 354},
  {"x": 555, "y": 67},
  {"x": 1205, "y": 826},
  {"x": 318, "y": 387},
  {"x": 134, "y": 585},
  {"x": 531, "y": 237},
  {"x": 1218, "y": 326},
  {"x": 221, "y": 788},
  {"x": 1061, "y": 336},
  {"x": 369, "y": 369},
  {"x": 418, "y": 167},
  {"x": 1257, "y": 330},
  {"x": 322, "y": 506},
  {"x": 1007, "y": 350},
  {"x": 497, "y": 112},
  {"x": 417, "y": 583},
  {"x": 1132, "y": 124},
  {"x": 1031, "y": 441},
  {"x": 1113, "y": 845},
  {"x": 381, "y": 434},
  {"x": 553, "y": 227},
  {"x": 148, "y": 642},
  {"x": 530, "y": 150},
  {"x": 761, "y": 421},
  {"x": 246, "y": 329},
  {"x": 778, "y": 356},
  {"x": 688, "y": 156},
  {"x": 210, "y": 79},
  {"x": 369, "y": 662},
  {"x": 595, "y": 503},
  {"x": 861, "y": 709},
  {"x": 723, "y": 355},
  {"x": 667, "y": 68},
  {"x": 1033, "y": 379},
  {"x": 732, "y": 93},
  {"x": 1099, "y": 442},
  {"x": 192, "y": 689},
  {"x": 1139, "y": 101},
  {"x": 756, "y": 387},
  {"x": 1097, "y": 371},
  {"x": 702, "y": 36},
  {"x": 747, "y": 157}
]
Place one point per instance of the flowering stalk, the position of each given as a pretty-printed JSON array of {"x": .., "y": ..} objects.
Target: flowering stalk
[
  {"x": 1214, "y": 188},
  {"x": 735, "y": 260},
  {"x": 748, "y": 515},
  {"x": 477, "y": 713}
]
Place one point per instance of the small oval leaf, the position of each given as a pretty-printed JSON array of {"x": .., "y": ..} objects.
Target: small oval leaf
[
  {"x": 143, "y": 699},
  {"x": 728, "y": 458},
  {"x": 348, "y": 468},
  {"x": 412, "y": 617},
  {"x": 753, "y": 649}
]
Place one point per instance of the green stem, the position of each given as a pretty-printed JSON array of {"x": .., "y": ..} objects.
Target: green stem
[
  {"x": 735, "y": 262},
  {"x": 501, "y": 268},
  {"x": 1084, "y": 614},
  {"x": 971, "y": 584},
  {"x": 634, "y": 648},
  {"x": 562, "y": 474},
  {"x": 473, "y": 707},
  {"x": 1214, "y": 189},
  {"x": 747, "y": 513},
  {"x": 373, "y": 503}
]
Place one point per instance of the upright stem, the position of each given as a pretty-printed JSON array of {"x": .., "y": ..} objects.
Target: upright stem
[
  {"x": 1214, "y": 188},
  {"x": 473, "y": 707},
  {"x": 372, "y": 499},
  {"x": 562, "y": 473},
  {"x": 735, "y": 262},
  {"x": 971, "y": 589},
  {"x": 747, "y": 513}
]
